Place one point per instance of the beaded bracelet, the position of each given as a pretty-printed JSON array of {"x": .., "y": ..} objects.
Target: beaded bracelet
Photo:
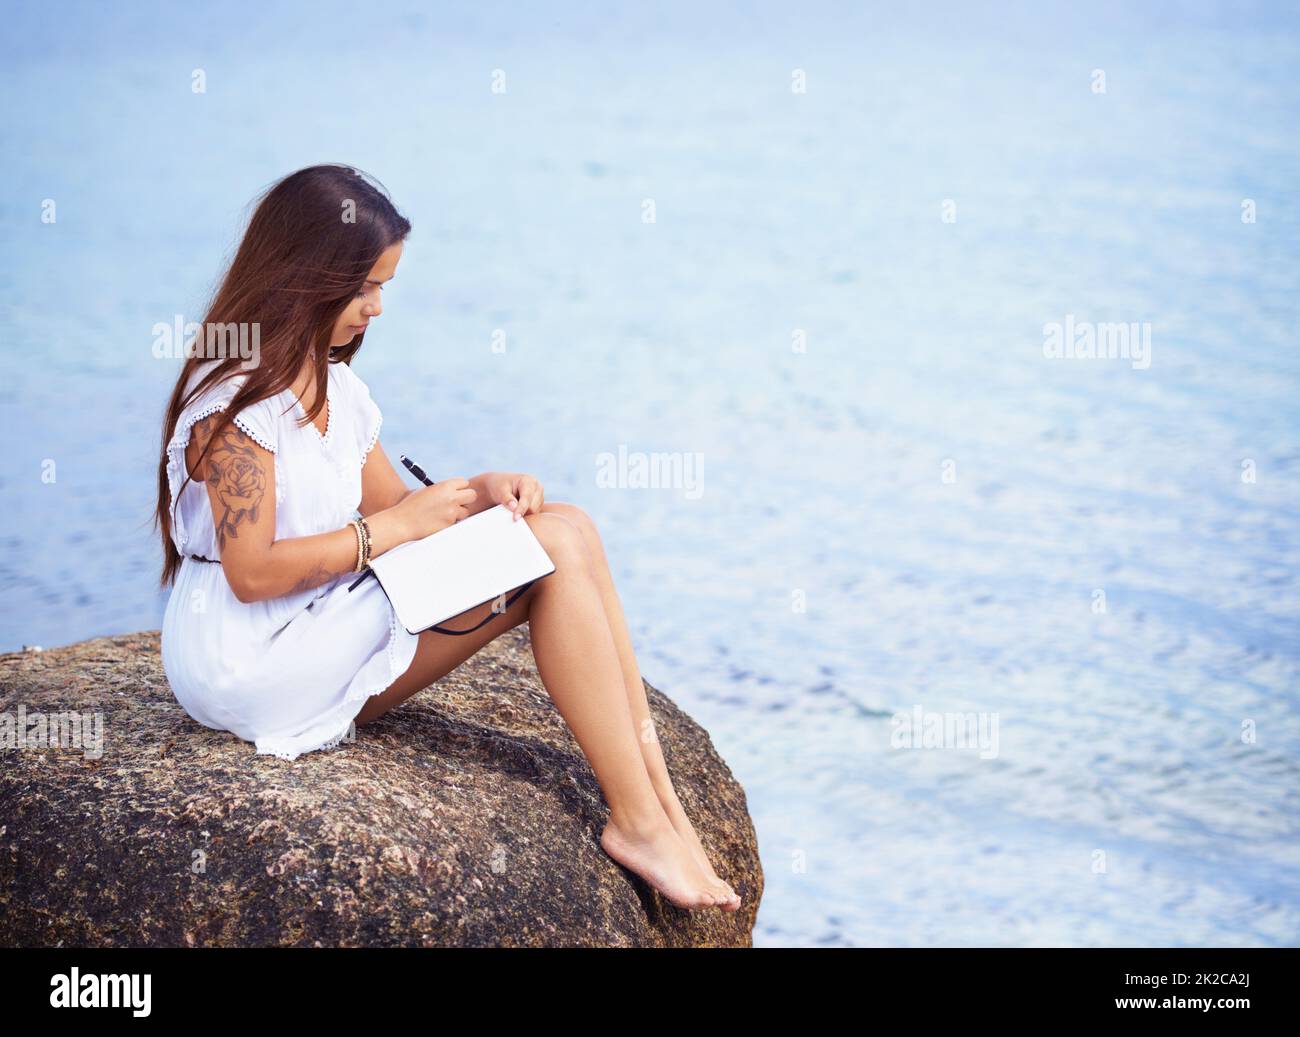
[
  {"x": 356, "y": 528},
  {"x": 365, "y": 528}
]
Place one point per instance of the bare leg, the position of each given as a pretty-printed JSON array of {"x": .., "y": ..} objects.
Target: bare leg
[
  {"x": 642, "y": 722},
  {"x": 579, "y": 666}
]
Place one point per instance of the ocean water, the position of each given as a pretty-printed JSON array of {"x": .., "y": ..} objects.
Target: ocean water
[{"x": 893, "y": 504}]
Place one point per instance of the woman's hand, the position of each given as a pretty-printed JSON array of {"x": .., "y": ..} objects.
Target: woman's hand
[
  {"x": 518, "y": 491},
  {"x": 430, "y": 508}
]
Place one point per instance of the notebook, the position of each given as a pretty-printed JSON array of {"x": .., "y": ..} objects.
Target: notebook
[{"x": 468, "y": 563}]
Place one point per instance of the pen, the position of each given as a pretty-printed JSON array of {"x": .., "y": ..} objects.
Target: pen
[{"x": 416, "y": 470}]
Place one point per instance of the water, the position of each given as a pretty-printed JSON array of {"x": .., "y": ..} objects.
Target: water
[{"x": 828, "y": 577}]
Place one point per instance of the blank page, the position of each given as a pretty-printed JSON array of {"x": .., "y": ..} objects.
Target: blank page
[{"x": 454, "y": 569}]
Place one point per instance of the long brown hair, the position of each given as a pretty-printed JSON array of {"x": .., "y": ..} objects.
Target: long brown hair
[{"x": 310, "y": 243}]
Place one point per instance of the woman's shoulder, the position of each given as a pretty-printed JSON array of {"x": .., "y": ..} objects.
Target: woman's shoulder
[
  {"x": 260, "y": 420},
  {"x": 366, "y": 418},
  {"x": 224, "y": 386},
  {"x": 348, "y": 378},
  {"x": 220, "y": 389},
  {"x": 356, "y": 391}
]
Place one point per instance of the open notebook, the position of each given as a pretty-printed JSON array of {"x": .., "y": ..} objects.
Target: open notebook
[{"x": 470, "y": 562}]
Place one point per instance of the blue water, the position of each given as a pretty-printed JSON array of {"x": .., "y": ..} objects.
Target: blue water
[{"x": 829, "y": 576}]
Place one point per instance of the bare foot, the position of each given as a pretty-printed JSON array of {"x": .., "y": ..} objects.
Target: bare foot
[
  {"x": 661, "y": 858},
  {"x": 686, "y": 832}
]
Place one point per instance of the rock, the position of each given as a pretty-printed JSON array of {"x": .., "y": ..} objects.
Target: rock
[{"x": 468, "y": 816}]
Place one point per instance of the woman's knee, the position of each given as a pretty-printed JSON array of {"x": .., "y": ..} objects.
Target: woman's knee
[
  {"x": 585, "y": 524},
  {"x": 562, "y": 541}
]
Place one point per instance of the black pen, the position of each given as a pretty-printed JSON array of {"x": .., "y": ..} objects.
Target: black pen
[{"x": 416, "y": 470}]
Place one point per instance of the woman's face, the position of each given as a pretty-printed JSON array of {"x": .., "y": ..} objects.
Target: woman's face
[{"x": 352, "y": 321}]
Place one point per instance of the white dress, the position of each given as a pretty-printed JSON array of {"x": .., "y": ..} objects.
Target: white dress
[{"x": 288, "y": 674}]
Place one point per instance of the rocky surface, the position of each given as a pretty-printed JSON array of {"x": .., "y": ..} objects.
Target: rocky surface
[{"x": 468, "y": 816}]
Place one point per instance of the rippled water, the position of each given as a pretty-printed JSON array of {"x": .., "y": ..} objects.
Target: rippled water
[{"x": 918, "y": 511}]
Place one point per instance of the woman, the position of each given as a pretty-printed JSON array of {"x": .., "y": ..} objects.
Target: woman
[{"x": 261, "y": 635}]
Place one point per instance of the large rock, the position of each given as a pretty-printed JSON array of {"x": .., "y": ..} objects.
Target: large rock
[{"x": 468, "y": 816}]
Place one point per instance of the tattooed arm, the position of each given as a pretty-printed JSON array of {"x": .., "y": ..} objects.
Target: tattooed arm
[{"x": 240, "y": 476}]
